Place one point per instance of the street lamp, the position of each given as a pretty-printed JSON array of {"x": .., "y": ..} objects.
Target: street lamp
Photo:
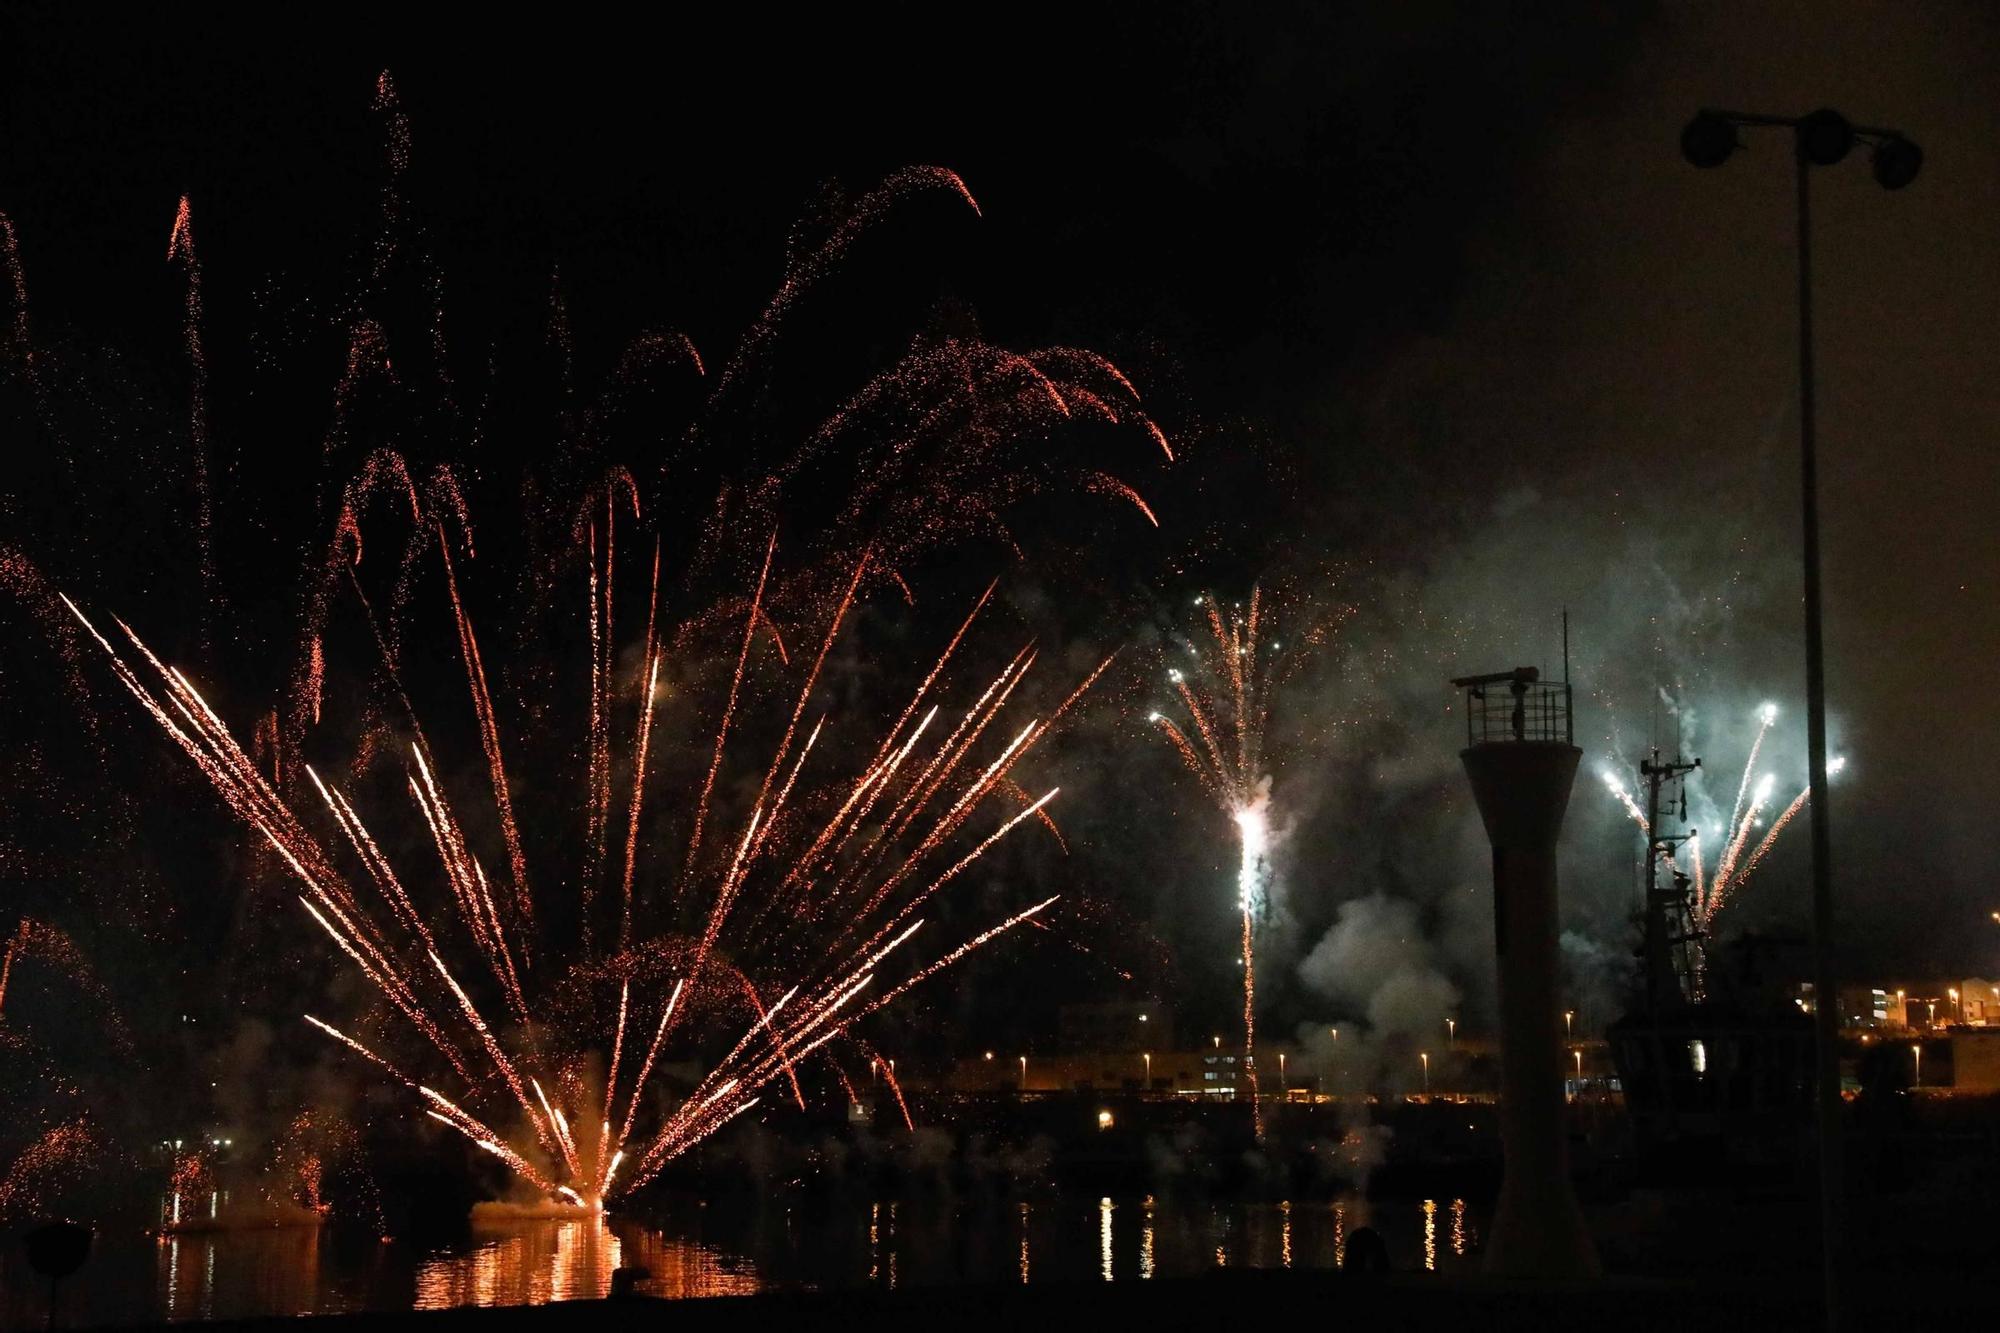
[{"x": 1820, "y": 139}]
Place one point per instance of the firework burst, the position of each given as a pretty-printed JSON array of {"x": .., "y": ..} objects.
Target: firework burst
[
  {"x": 539, "y": 979},
  {"x": 1739, "y": 856},
  {"x": 1224, "y": 690},
  {"x": 804, "y": 907}
]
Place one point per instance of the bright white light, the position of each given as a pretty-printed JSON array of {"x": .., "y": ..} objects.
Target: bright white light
[
  {"x": 1767, "y": 713},
  {"x": 1152, "y": 717},
  {"x": 1255, "y": 837},
  {"x": 1835, "y": 764},
  {"x": 1764, "y": 786},
  {"x": 1174, "y": 675}
]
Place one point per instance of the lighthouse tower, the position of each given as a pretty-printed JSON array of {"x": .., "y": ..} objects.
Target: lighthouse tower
[{"x": 1521, "y": 759}]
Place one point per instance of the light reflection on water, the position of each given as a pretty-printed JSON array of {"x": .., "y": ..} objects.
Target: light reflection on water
[
  {"x": 216, "y": 1274},
  {"x": 723, "y": 1250},
  {"x": 534, "y": 1262}
]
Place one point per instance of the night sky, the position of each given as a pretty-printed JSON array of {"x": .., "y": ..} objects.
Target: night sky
[{"x": 1422, "y": 290}]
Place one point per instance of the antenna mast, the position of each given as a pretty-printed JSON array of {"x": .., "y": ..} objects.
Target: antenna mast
[{"x": 1673, "y": 947}]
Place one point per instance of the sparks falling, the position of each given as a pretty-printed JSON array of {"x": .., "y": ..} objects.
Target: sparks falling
[
  {"x": 819, "y": 891},
  {"x": 1739, "y": 856},
  {"x": 1225, "y": 693},
  {"x": 531, "y": 982}
]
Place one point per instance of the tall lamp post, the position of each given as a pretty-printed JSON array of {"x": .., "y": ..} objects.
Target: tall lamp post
[{"x": 1820, "y": 139}]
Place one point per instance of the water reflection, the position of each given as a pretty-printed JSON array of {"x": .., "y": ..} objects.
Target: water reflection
[
  {"x": 1104, "y": 1210},
  {"x": 1146, "y": 1242},
  {"x": 534, "y": 1262},
  {"x": 225, "y": 1271},
  {"x": 272, "y": 1270}
]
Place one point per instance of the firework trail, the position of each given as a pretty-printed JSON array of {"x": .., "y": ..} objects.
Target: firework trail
[
  {"x": 814, "y": 890},
  {"x": 840, "y": 904},
  {"x": 1226, "y": 698},
  {"x": 17, "y": 291},
  {"x": 1733, "y": 867},
  {"x": 180, "y": 250}
]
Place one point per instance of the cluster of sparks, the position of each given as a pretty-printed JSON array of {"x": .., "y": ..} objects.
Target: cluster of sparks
[
  {"x": 1740, "y": 857},
  {"x": 802, "y": 906},
  {"x": 1226, "y": 698},
  {"x": 35, "y": 1173},
  {"x": 869, "y": 866}
]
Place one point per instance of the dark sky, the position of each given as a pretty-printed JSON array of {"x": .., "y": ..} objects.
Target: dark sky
[{"x": 1422, "y": 285}]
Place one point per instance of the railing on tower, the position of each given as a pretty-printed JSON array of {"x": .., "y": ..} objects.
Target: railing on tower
[{"x": 1508, "y": 706}]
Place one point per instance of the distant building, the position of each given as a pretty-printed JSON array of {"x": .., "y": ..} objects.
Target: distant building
[
  {"x": 1946, "y": 1002},
  {"x": 1115, "y": 1025},
  {"x": 1975, "y": 1060},
  {"x": 1978, "y": 1003},
  {"x": 1213, "y": 1071},
  {"x": 1864, "y": 1007}
]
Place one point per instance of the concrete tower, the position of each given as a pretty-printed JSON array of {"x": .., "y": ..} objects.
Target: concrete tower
[{"x": 1520, "y": 757}]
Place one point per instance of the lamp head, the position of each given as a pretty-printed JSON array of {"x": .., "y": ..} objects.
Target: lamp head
[
  {"x": 1825, "y": 137},
  {"x": 1708, "y": 140},
  {"x": 1896, "y": 162}
]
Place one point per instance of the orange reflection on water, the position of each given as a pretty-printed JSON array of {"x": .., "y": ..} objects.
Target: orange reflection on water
[
  {"x": 269, "y": 1270},
  {"x": 532, "y": 1262}
]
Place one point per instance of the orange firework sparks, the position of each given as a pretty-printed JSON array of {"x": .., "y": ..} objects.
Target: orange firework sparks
[
  {"x": 780, "y": 866},
  {"x": 1225, "y": 690},
  {"x": 867, "y": 889}
]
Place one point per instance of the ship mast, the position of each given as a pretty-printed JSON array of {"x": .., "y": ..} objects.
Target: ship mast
[{"x": 1673, "y": 946}]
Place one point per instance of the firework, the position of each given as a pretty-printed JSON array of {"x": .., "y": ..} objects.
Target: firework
[
  {"x": 1711, "y": 894},
  {"x": 1225, "y": 693},
  {"x": 789, "y": 899},
  {"x": 39, "y": 1171},
  {"x": 816, "y": 877}
]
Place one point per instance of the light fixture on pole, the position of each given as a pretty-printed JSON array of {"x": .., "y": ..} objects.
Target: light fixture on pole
[{"x": 1819, "y": 139}]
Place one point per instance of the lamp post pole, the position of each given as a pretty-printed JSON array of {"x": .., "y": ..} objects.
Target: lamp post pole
[
  {"x": 1826, "y": 979},
  {"x": 1822, "y": 138}
]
